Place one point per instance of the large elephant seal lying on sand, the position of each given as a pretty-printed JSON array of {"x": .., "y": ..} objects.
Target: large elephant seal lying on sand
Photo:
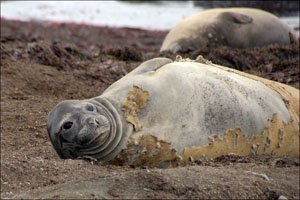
[
  {"x": 166, "y": 112},
  {"x": 233, "y": 27}
]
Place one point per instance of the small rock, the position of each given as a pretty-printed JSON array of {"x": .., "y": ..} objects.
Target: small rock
[{"x": 281, "y": 197}]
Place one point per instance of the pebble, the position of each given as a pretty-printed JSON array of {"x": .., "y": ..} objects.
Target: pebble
[{"x": 281, "y": 197}]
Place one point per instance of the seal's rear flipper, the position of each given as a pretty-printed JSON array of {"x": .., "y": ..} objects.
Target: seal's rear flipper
[
  {"x": 236, "y": 17},
  {"x": 150, "y": 65}
]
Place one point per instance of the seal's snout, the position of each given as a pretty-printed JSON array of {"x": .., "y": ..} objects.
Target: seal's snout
[{"x": 93, "y": 121}]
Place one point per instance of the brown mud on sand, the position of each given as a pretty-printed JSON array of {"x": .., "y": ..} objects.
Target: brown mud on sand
[{"x": 42, "y": 64}]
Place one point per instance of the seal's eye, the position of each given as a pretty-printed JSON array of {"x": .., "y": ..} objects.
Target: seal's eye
[
  {"x": 89, "y": 107},
  {"x": 68, "y": 125}
]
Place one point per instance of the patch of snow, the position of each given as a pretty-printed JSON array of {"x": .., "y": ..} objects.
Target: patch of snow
[{"x": 159, "y": 15}]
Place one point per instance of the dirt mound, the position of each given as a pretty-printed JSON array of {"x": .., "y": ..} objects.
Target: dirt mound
[
  {"x": 240, "y": 181},
  {"x": 42, "y": 64}
]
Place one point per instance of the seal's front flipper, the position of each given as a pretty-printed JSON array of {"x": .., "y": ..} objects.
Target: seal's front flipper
[
  {"x": 236, "y": 17},
  {"x": 150, "y": 65}
]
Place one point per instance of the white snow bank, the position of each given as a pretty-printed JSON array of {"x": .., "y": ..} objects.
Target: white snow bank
[
  {"x": 162, "y": 15},
  {"x": 159, "y": 16}
]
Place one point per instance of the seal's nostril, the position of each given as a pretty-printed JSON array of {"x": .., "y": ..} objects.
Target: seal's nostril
[{"x": 93, "y": 121}]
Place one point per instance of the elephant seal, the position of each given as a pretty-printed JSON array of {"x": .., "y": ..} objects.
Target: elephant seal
[
  {"x": 233, "y": 27},
  {"x": 166, "y": 112}
]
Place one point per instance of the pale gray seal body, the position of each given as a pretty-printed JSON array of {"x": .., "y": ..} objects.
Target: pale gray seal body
[
  {"x": 181, "y": 104},
  {"x": 233, "y": 27}
]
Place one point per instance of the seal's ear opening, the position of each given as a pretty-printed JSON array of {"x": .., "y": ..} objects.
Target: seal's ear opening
[{"x": 236, "y": 17}]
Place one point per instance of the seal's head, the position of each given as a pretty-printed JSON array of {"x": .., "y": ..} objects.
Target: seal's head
[{"x": 82, "y": 128}]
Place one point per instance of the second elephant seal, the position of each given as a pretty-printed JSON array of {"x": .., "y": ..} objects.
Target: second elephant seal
[{"x": 233, "y": 27}]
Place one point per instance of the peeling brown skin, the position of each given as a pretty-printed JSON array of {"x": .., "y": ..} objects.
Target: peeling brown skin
[
  {"x": 277, "y": 139},
  {"x": 150, "y": 151},
  {"x": 136, "y": 100},
  {"x": 147, "y": 149}
]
